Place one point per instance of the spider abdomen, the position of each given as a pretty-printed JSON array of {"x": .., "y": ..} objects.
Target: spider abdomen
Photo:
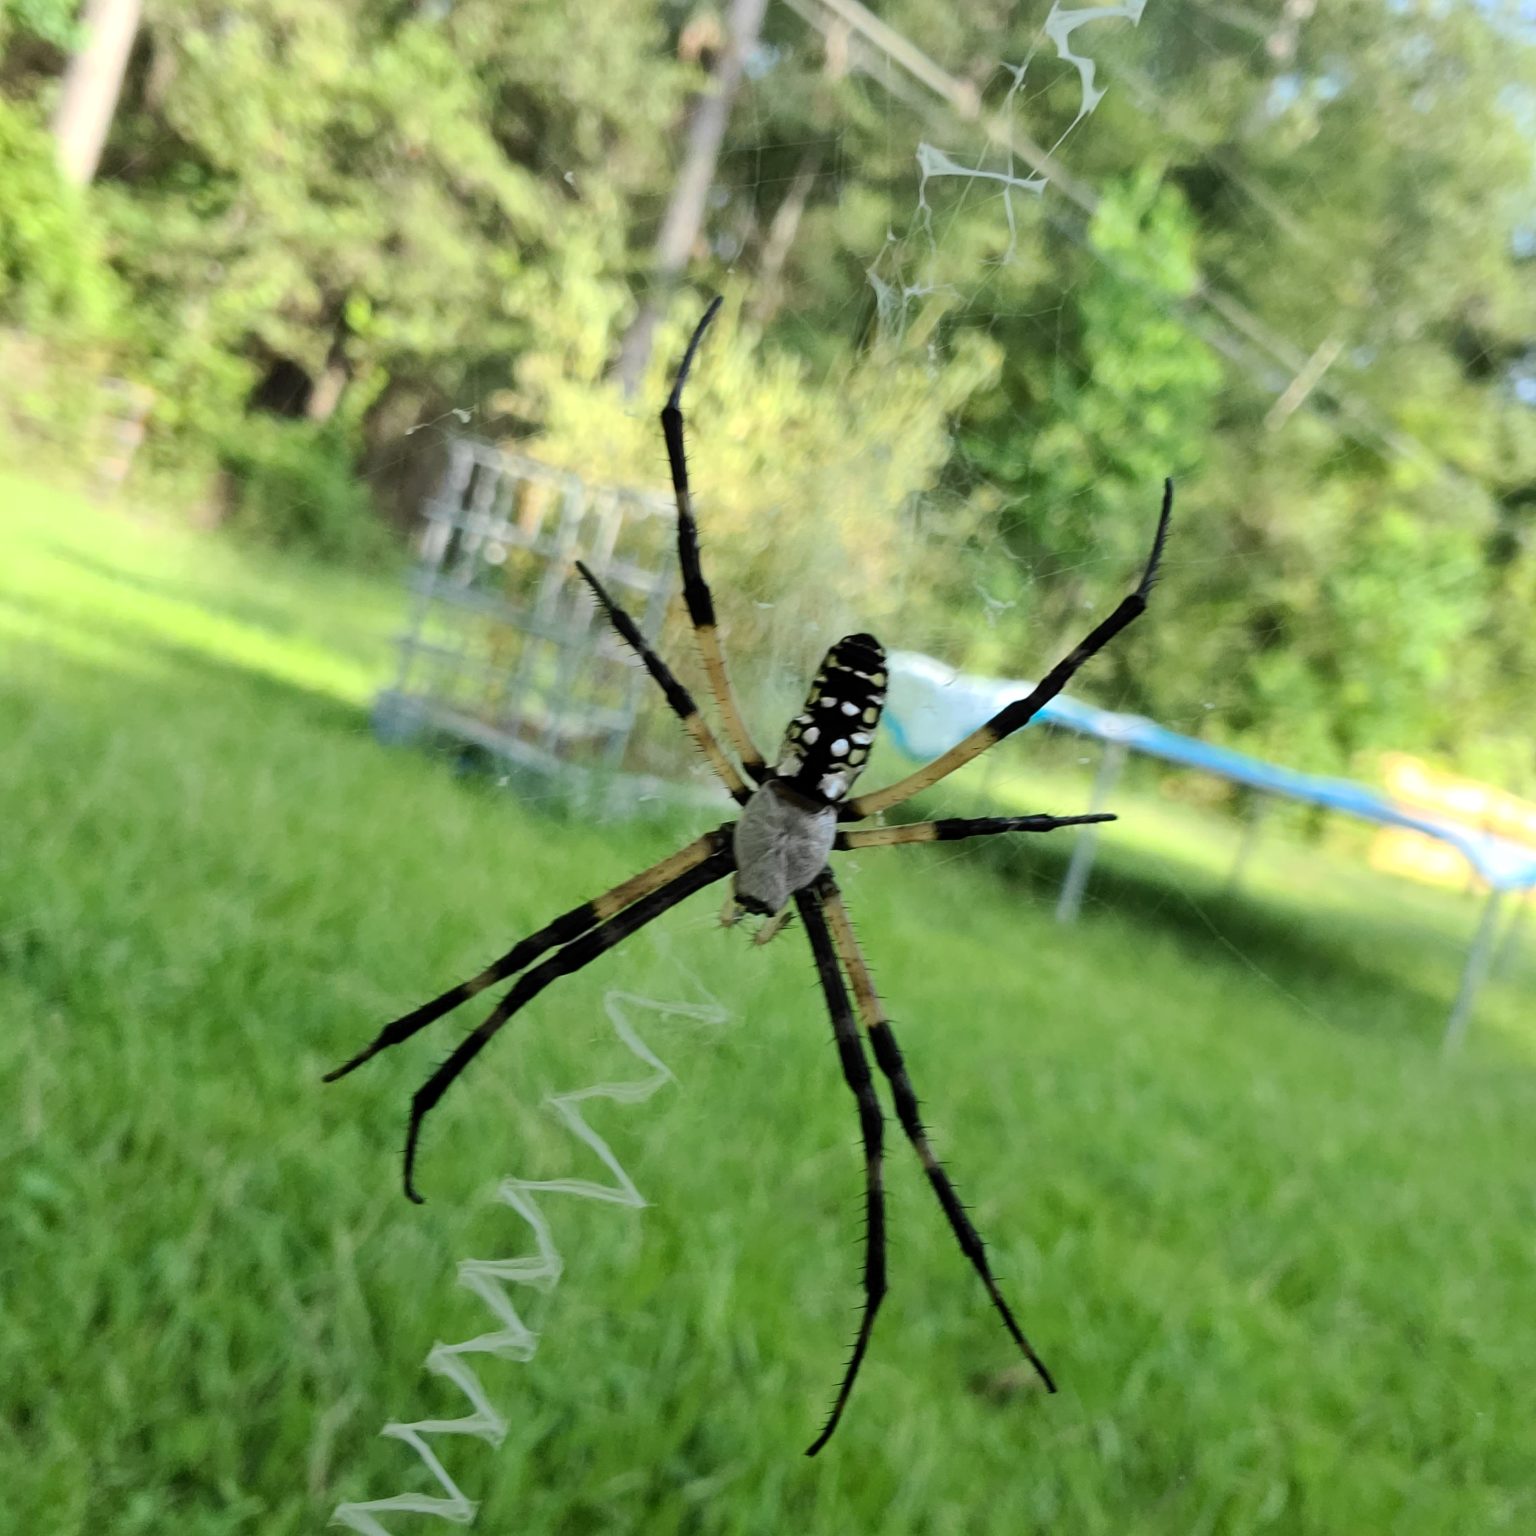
[{"x": 827, "y": 743}]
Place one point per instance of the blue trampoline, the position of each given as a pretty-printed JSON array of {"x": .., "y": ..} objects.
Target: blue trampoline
[{"x": 931, "y": 707}]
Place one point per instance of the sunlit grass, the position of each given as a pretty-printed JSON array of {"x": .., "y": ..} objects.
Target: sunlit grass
[
  {"x": 137, "y": 594},
  {"x": 1276, "y": 1249}
]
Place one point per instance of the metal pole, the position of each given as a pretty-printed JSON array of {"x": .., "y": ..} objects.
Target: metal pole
[
  {"x": 1473, "y": 973},
  {"x": 1252, "y": 824},
  {"x": 1071, "y": 899},
  {"x": 1509, "y": 940}
]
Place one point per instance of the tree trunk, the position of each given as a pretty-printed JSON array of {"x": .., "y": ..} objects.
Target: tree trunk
[
  {"x": 329, "y": 387},
  {"x": 91, "y": 86},
  {"x": 685, "y": 213},
  {"x": 781, "y": 236}
]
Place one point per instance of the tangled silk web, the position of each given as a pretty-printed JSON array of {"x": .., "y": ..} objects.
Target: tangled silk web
[
  {"x": 491, "y": 1279},
  {"x": 892, "y": 294}
]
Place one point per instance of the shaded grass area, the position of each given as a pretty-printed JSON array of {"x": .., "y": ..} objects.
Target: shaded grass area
[{"x": 1276, "y": 1250}]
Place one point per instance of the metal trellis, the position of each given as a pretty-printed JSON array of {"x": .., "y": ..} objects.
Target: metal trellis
[{"x": 504, "y": 648}]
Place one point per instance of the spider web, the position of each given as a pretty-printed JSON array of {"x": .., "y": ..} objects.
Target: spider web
[
  {"x": 1001, "y": 166},
  {"x": 983, "y": 158},
  {"x": 901, "y": 276}
]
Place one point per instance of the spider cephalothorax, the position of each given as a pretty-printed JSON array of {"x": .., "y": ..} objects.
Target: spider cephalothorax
[{"x": 777, "y": 853}]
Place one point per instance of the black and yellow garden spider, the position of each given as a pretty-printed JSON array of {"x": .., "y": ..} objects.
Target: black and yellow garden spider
[{"x": 777, "y": 852}]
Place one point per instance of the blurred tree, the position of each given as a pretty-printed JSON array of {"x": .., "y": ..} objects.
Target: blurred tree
[
  {"x": 684, "y": 219},
  {"x": 1073, "y": 449},
  {"x": 45, "y": 21},
  {"x": 814, "y": 492},
  {"x": 1354, "y": 183},
  {"x": 1284, "y": 260},
  {"x": 316, "y": 200},
  {"x": 53, "y": 276},
  {"x": 91, "y": 84}
]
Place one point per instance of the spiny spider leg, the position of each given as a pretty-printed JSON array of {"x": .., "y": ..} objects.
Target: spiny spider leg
[
  {"x": 568, "y": 926},
  {"x": 954, "y": 828},
  {"x": 678, "y": 697},
  {"x": 701, "y": 605},
  {"x": 889, "y": 1059},
  {"x": 1019, "y": 713},
  {"x": 850, "y": 1050},
  {"x": 564, "y": 962}
]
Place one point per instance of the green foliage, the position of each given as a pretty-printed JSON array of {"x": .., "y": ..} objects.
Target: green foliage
[
  {"x": 1354, "y": 184},
  {"x": 49, "y": 21},
  {"x": 295, "y": 484},
  {"x": 53, "y": 278},
  {"x": 949, "y": 405},
  {"x": 1123, "y": 401},
  {"x": 60, "y": 302},
  {"x": 1357, "y": 594},
  {"x": 813, "y": 491},
  {"x": 349, "y": 187}
]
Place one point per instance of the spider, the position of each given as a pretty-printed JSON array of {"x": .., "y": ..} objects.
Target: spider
[{"x": 791, "y": 819}]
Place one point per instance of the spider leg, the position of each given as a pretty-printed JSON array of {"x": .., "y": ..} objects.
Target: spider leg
[
  {"x": 677, "y": 696},
  {"x": 1021, "y": 711},
  {"x": 568, "y": 926},
  {"x": 573, "y": 957},
  {"x": 889, "y": 1059},
  {"x": 850, "y": 1050},
  {"x": 701, "y": 605},
  {"x": 954, "y": 827}
]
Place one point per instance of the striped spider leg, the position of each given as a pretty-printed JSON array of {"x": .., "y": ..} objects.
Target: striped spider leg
[
  {"x": 677, "y": 697},
  {"x": 586, "y": 931},
  {"x": 1011, "y": 717},
  {"x": 855, "y": 1065},
  {"x": 577, "y": 937},
  {"x": 696, "y": 593},
  {"x": 836, "y": 950},
  {"x": 782, "y": 841},
  {"x": 953, "y": 828}
]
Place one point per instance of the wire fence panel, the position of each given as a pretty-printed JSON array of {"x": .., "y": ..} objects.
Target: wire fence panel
[{"x": 504, "y": 647}]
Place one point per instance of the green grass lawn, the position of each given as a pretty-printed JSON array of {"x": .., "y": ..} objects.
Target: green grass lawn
[{"x": 1278, "y": 1251}]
